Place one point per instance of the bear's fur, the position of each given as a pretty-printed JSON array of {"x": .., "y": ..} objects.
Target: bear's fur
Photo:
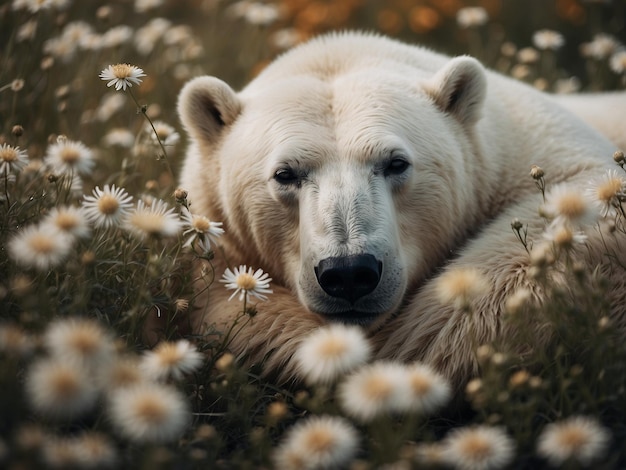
[{"x": 353, "y": 156}]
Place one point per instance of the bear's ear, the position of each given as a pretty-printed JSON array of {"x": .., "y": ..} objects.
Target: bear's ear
[
  {"x": 205, "y": 106},
  {"x": 460, "y": 89}
]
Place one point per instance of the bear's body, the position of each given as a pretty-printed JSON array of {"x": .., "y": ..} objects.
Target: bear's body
[{"x": 355, "y": 170}]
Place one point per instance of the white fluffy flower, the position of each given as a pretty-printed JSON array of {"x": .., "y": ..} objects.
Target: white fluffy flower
[
  {"x": 245, "y": 281},
  {"x": 122, "y": 76},
  {"x": 478, "y": 448},
  {"x": 69, "y": 157},
  {"x": 107, "y": 207},
  {"x": 317, "y": 442},
  {"x": 40, "y": 248},
  {"x": 154, "y": 220},
  {"x": 171, "y": 359},
  {"x": 331, "y": 352}
]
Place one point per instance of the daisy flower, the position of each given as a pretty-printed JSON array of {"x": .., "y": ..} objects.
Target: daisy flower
[
  {"x": 547, "y": 39},
  {"x": 149, "y": 413},
  {"x": 38, "y": 247},
  {"x": 246, "y": 281},
  {"x": 478, "y": 448},
  {"x": 12, "y": 159},
  {"x": 472, "y": 17},
  {"x": 14, "y": 341},
  {"x": 68, "y": 219},
  {"x": 563, "y": 236},
  {"x": 119, "y": 137},
  {"x": 201, "y": 228},
  {"x": 79, "y": 340},
  {"x": 115, "y": 37},
  {"x": 317, "y": 442},
  {"x": 166, "y": 133},
  {"x": 566, "y": 203},
  {"x": 171, "y": 359},
  {"x": 617, "y": 62},
  {"x": 94, "y": 450},
  {"x": 578, "y": 438},
  {"x": 373, "y": 390},
  {"x": 427, "y": 390},
  {"x": 59, "y": 388},
  {"x": 461, "y": 286},
  {"x": 122, "y": 76},
  {"x": 107, "y": 207},
  {"x": 69, "y": 157},
  {"x": 156, "y": 219},
  {"x": 331, "y": 352},
  {"x": 607, "y": 192}
]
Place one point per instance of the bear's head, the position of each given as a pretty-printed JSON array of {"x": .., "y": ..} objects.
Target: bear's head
[{"x": 348, "y": 186}]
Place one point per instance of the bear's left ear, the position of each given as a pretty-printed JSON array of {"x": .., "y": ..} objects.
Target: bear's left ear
[
  {"x": 460, "y": 89},
  {"x": 206, "y": 105}
]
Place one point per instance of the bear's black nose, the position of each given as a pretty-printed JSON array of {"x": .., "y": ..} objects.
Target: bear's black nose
[{"x": 349, "y": 277}]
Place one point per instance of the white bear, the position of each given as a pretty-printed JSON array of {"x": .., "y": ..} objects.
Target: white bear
[{"x": 358, "y": 170}]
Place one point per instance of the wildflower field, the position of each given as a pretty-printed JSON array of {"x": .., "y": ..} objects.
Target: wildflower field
[{"x": 98, "y": 249}]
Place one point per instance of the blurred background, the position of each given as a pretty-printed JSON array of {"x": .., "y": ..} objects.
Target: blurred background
[{"x": 53, "y": 50}]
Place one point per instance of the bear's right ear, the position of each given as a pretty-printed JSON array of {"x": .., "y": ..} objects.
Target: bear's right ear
[
  {"x": 460, "y": 89},
  {"x": 205, "y": 106}
]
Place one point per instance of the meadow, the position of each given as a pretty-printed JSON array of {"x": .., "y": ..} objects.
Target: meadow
[{"x": 97, "y": 242}]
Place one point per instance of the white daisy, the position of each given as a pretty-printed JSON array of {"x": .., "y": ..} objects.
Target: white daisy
[
  {"x": 373, "y": 390},
  {"x": 12, "y": 159},
  {"x": 166, "y": 133},
  {"x": 171, "y": 359},
  {"x": 122, "y": 76},
  {"x": 478, "y": 448},
  {"x": 115, "y": 37},
  {"x": 547, "y": 39},
  {"x": 79, "y": 340},
  {"x": 119, "y": 137},
  {"x": 149, "y": 412},
  {"x": 69, "y": 157},
  {"x": 59, "y": 388},
  {"x": 563, "y": 236},
  {"x": 427, "y": 390},
  {"x": 472, "y": 17},
  {"x": 154, "y": 220},
  {"x": 461, "y": 286},
  {"x": 317, "y": 442},
  {"x": 579, "y": 438},
  {"x": 246, "y": 281},
  {"x": 39, "y": 247},
  {"x": 68, "y": 219},
  {"x": 107, "y": 207},
  {"x": 200, "y": 228},
  {"x": 331, "y": 352},
  {"x": 568, "y": 204},
  {"x": 617, "y": 62},
  {"x": 607, "y": 192}
]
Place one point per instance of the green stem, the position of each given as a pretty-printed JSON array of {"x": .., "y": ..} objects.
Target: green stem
[{"x": 143, "y": 110}]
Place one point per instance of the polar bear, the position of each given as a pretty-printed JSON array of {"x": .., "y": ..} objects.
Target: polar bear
[{"x": 358, "y": 170}]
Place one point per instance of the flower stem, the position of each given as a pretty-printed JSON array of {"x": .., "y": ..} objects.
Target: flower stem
[{"x": 143, "y": 110}]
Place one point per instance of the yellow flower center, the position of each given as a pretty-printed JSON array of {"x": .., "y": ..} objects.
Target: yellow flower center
[
  {"x": 334, "y": 347},
  {"x": 8, "y": 154},
  {"x": 108, "y": 204},
  {"x": 246, "y": 281},
  {"x": 607, "y": 191},
  {"x": 66, "y": 221},
  {"x": 65, "y": 384},
  {"x": 85, "y": 341},
  {"x": 41, "y": 244},
  {"x": 70, "y": 155},
  {"x": 571, "y": 206},
  {"x": 572, "y": 438},
  {"x": 151, "y": 410},
  {"x": 319, "y": 441},
  {"x": 420, "y": 384},
  {"x": 122, "y": 70},
  {"x": 201, "y": 224},
  {"x": 168, "y": 354},
  {"x": 377, "y": 388},
  {"x": 476, "y": 448}
]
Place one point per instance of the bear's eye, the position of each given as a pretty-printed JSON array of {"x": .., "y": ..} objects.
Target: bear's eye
[
  {"x": 286, "y": 176},
  {"x": 396, "y": 166}
]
